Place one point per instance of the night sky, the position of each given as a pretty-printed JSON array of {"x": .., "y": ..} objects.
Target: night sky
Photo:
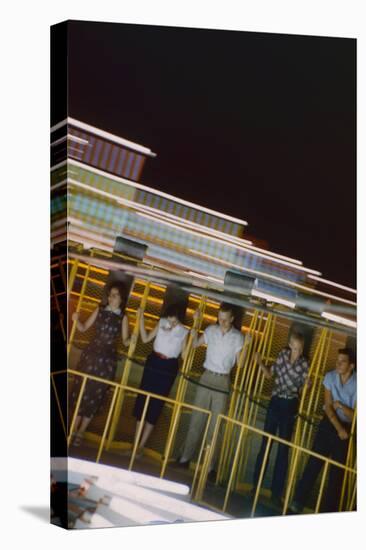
[{"x": 258, "y": 126}]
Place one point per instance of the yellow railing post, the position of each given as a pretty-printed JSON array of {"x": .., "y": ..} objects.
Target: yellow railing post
[
  {"x": 139, "y": 432},
  {"x": 233, "y": 468},
  {"x": 348, "y": 458},
  {"x": 352, "y": 501},
  {"x": 234, "y": 406},
  {"x": 301, "y": 427},
  {"x": 72, "y": 275},
  {"x": 253, "y": 407},
  {"x": 253, "y": 372},
  {"x": 201, "y": 452},
  {"x": 266, "y": 356},
  {"x": 261, "y": 476},
  {"x": 204, "y": 473},
  {"x": 182, "y": 382},
  {"x": 62, "y": 273},
  {"x": 321, "y": 488},
  {"x": 127, "y": 367},
  {"x": 290, "y": 481},
  {"x": 313, "y": 392},
  {"x": 60, "y": 313},
  {"x": 259, "y": 339},
  {"x": 76, "y": 409},
  {"x": 208, "y": 457},
  {"x": 78, "y": 307},
  {"x": 106, "y": 426},
  {"x": 58, "y": 404},
  {"x": 169, "y": 442},
  {"x": 260, "y": 377}
]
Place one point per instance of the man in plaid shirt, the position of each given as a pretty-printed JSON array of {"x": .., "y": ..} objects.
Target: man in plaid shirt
[{"x": 290, "y": 371}]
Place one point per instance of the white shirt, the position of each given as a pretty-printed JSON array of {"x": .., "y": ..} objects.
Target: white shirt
[
  {"x": 169, "y": 342},
  {"x": 221, "y": 348}
]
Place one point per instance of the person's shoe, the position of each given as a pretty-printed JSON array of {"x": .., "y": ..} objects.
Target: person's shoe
[
  {"x": 139, "y": 452},
  {"x": 212, "y": 476},
  {"x": 77, "y": 439},
  {"x": 182, "y": 464}
]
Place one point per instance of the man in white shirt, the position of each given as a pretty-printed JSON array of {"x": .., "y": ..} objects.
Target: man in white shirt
[{"x": 224, "y": 345}]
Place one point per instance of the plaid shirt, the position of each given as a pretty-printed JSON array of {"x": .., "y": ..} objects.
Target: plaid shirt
[{"x": 289, "y": 378}]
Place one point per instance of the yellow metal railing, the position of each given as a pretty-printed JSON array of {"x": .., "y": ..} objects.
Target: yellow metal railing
[
  {"x": 248, "y": 381},
  {"x": 292, "y": 473},
  {"x": 118, "y": 387},
  {"x": 347, "y": 491}
]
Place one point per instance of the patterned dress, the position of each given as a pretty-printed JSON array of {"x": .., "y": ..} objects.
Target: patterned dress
[{"x": 98, "y": 359}]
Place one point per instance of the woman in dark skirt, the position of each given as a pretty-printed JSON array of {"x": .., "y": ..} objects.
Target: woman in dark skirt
[
  {"x": 161, "y": 367},
  {"x": 99, "y": 358}
]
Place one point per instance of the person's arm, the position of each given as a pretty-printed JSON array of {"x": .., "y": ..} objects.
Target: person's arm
[
  {"x": 306, "y": 381},
  {"x": 244, "y": 348},
  {"x": 125, "y": 332},
  {"x": 332, "y": 415},
  {"x": 146, "y": 336},
  {"x": 83, "y": 327},
  {"x": 267, "y": 371},
  {"x": 197, "y": 341},
  {"x": 347, "y": 411},
  {"x": 185, "y": 346},
  {"x": 306, "y": 385}
]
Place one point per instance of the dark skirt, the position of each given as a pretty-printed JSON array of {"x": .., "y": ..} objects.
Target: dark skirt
[{"x": 159, "y": 375}]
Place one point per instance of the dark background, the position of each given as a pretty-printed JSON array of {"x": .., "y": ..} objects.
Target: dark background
[{"x": 258, "y": 126}]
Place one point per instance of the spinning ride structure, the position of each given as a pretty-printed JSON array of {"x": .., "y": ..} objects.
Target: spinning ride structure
[{"x": 107, "y": 226}]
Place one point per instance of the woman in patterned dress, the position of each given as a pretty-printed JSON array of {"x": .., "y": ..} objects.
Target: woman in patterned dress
[{"x": 99, "y": 358}]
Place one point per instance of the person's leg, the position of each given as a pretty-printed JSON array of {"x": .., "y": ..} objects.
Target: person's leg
[
  {"x": 322, "y": 445},
  {"x": 270, "y": 426},
  {"x": 84, "y": 424},
  {"x": 286, "y": 422},
  {"x": 219, "y": 402},
  {"x": 138, "y": 424},
  {"x": 334, "y": 487},
  {"x": 79, "y": 434},
  {"x": 196, "y": 424},
  {"x": 148, "y": 428},
  {"x": 74, "y": 395},
  {"x": 77, "y": 423},
  {"x": 147, "y": 382}
]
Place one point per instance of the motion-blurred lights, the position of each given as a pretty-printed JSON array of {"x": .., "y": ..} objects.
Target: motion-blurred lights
[
  {"x": 270, "y": 298},
  {"x": 340, "y": 320},
  {"x": 332, "y": 283}
]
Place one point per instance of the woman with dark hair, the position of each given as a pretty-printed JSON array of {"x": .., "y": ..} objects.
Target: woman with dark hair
[
  {"x": 99, "y": 358},
  {"x": 161, "y": 367}
]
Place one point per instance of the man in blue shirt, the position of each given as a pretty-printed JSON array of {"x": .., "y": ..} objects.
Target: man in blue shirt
[{"x": 333, "y": 433}]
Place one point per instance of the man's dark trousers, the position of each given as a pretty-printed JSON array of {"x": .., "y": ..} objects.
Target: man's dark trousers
[
  {"x": 326, "y": 443},
  {"x": 280, "y": 418}
]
